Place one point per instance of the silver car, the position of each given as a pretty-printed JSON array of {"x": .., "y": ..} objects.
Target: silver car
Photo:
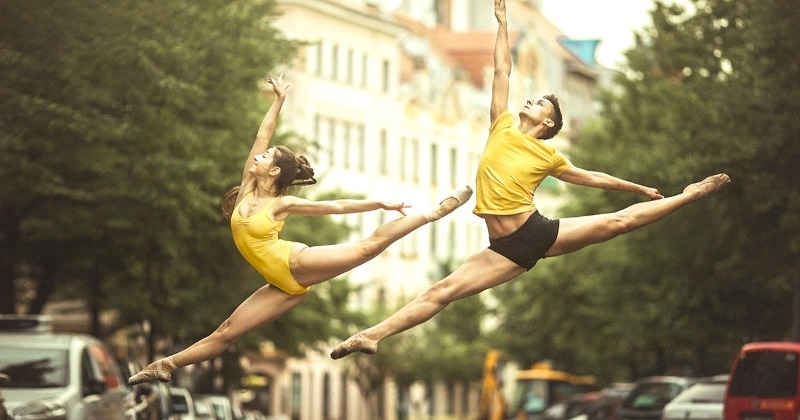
[
  {"x": 60, "y": 376},
  {"x": 701, "y": 401}
]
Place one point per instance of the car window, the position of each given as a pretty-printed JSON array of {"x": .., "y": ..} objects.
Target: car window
[
  {"x": 179, "y": 404},
  {"x": 765, "y": 374},
  {"x": 34, "y": 368},
  {"x": 106, "y": 365},
  {"x": 703, "y": 393},
  {"x": 652, "y": 395}
]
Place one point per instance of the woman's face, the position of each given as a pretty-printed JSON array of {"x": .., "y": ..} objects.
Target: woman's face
[{"x": 263, "y": 162}]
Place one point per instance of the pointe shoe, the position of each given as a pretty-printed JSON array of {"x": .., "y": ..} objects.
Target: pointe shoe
[
  {"x": 461, "y": 195},
  {"x": 353, "y": 344},
  {"x": 158, "y": 374},
  {"x": 719, "y": 181}
]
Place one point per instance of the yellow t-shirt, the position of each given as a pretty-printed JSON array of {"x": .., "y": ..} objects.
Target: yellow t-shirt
[{"x": 512, "y": 166}]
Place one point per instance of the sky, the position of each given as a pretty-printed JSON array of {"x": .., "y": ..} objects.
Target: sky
[{"x": 612, "y": 21}]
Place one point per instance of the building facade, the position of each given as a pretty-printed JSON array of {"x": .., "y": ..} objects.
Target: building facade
[{"x": 395, "y": 96}]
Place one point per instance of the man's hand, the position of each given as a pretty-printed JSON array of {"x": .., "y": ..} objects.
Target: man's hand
[{"x": 500, "y": 10}]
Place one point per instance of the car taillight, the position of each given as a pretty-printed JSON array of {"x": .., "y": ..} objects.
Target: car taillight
[{"x": 776, "y": 404}]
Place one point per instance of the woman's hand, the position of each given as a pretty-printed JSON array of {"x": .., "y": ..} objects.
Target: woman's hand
[
  {"x": 395, "y": 206},
  {"x": 278, "y": 85},
  {"x": 652, "y": 193}
]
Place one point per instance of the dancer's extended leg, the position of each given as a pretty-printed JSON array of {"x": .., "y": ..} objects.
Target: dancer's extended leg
[
  {"x": 575, "y": 233},
  {"x": 316, "y": 264},
  {"x": 262, "y": 307}
]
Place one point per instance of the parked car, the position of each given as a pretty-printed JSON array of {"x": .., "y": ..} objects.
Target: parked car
[
  {"x": 701, "y": 401},
  {"x": 764, "y": 382},
  {"x": 57, "y": 376},
  {"x": 648, "y": 397},
  {"x": 182, "y": 404},
  {"x": 147, "y": 401},
  {"x": 3, "y": 413},
  {"x": 224, "y": 408},
  {"x": 203, "y": 409}
]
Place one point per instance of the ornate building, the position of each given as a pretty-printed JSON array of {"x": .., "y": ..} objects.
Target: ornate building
[{"x": 395, "y": 94}]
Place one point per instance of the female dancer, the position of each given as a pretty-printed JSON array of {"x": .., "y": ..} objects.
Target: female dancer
[{"x": 257, "y": 209}]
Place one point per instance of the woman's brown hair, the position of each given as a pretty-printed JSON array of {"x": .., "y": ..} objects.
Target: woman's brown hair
[{"x": 295, "y": 171}]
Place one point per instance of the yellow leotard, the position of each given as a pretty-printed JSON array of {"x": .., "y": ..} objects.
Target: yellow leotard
[
  {"x": 512, "y": 166},
  {"x": 256, "y": 237}
]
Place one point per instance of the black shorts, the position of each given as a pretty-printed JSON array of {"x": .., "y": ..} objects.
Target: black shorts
[{"x": 529, "y": 243}]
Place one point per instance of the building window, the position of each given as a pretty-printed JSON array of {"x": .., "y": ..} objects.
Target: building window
[
  {"x": 362, "y": 145},
  {"x": 346, "y": 137},
  {"x": 383, "y": 152},
  {"x": 297, "y": 383},
  {"x": 364, "y": 69},
  {"x": 402, "y": 160},
  {"x": 433, "y": 162},
  {"x": 415, "y": 161},
  {"x": 319, "y": 60},
  {"x": 332, "y": 141},
  {"x": 349, "y": 70},
  {"x": 454, "y": 167},
  {"x": 335, "y": 62},
  {"x": 385, "y": 76},
  {"x": 326, "y": 396}
]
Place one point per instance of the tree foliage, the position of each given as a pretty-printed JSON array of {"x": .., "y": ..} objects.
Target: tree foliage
[
  {"x": 708, "y": 90},
  {"x": 123, "y": 123}
]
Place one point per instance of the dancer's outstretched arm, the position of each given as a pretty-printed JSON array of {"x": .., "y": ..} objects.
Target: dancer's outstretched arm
[
  {"x": 300, "y": 206},
  {"x": 594, "y": 179},
  {"x": 502, "y": 63}
]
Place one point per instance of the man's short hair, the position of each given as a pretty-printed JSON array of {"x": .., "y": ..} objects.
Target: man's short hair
[{"x": 558, "y": 120}]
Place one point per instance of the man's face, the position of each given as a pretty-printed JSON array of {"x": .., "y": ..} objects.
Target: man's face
[{"x": 537, "y": 110}]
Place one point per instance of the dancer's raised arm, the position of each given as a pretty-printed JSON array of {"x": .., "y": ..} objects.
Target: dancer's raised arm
[
  {"x": 268, "y": 124},
  {"x": 502, "y": 63}
]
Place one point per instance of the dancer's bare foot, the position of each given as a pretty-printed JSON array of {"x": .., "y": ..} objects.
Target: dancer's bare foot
[
  {"x": 453, "y": 201},
  {"x": 353, "y": 344},
  {"x": 710, "y": 184}
]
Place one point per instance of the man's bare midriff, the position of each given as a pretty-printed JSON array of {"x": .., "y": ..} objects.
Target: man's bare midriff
[{"x": 504, "y": 225}]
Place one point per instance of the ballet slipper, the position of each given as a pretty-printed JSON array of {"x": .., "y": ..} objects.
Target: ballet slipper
[
  {"x": 353, "y": 344},
  {"x": 162, "y": 372},
  {"x": 719, "y": 181},
  {"x": 461, "y": 195}
]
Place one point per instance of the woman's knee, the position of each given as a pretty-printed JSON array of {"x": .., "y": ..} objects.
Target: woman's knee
[{"x": 224, "y": 334}]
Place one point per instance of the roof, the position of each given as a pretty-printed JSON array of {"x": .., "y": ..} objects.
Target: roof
[{"x": 474, "y": 50}]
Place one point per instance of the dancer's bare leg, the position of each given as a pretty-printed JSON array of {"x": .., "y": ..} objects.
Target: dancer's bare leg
[
  {"x": 487, "y": 269},
  {"x": 575, "y": 233},
  {"x": 262, "y": 307},
  {"x": 313, "y": 265},
  {"x": 481, "y": 271}
]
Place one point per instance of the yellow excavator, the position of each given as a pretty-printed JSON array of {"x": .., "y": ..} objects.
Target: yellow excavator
[{"x": 493, "y": 405}]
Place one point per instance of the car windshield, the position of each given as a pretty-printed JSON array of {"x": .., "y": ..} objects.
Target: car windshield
[
  {"x": 179, "y": 404},
  {"x": 703, "y": 393},
  {"x": 652, "y": 395},
  {"x": 34, "y": 368},
  {"x": 766, "y": 374}
]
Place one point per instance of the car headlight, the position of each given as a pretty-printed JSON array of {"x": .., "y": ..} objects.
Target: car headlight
[{"x": 40, "y": 410}]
